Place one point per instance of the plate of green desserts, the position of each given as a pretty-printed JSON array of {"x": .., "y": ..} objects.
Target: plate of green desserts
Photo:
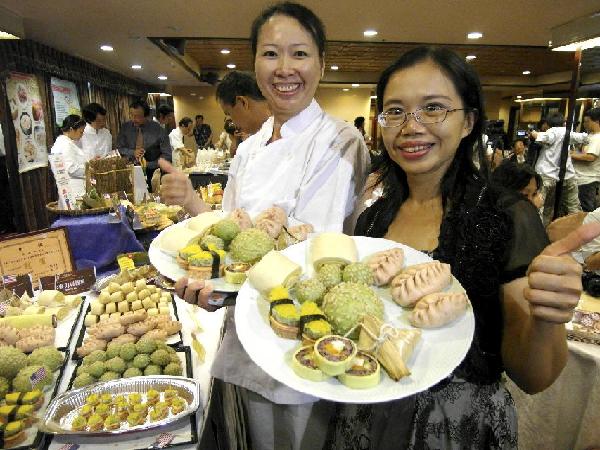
[{"x": 328, "y": 358}]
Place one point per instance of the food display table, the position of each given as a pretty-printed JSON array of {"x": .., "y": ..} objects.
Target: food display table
[
  {"x": 208, "y": 328},
  {"x": 96, "y": 240},
  {"x": 565, "y": 416}
]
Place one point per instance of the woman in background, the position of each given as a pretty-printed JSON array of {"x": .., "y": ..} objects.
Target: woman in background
[
  {"x": 519, "y": 179},
  {"x": 74, "y": 157}
]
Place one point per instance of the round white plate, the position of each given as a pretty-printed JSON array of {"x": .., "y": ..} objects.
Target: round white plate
[
  {"x": 438, "y": 353},
  {"x": 168, "y": 267}
]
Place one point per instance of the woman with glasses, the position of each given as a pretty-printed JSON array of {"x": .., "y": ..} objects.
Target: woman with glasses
[
  {"x": 436, "y": 201},
  {"x": 74, "y": 157}
]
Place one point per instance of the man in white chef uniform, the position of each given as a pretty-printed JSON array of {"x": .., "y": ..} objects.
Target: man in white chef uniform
[{"x": 96, "y": 140}]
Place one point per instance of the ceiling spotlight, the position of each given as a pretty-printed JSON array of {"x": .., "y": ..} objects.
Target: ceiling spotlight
[
  {"x": 470, "y": 57},
  {"x": 334, "y": 67},
  {"x": 474, "y": 35},
  {"x": 193, "y": 94},
  {"x": 369, "y": 33},
  {"x": 136, "y": 67},
  {"x": 355, "y": 85},
  {"x": 162, "y": 77},
  {"x": 519, "y": 96},
  {"x": 526, "y": 72},
  {"x": 226, "y": 51},
  {"x": 231, "y": 66},
  {"x": 373, "y": 97},
  {"x": 106, "y": 48},
  {"x": 345, "y": 89}
]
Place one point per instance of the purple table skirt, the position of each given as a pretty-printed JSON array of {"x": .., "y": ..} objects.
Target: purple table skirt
[{"x": 96, "y": 242}]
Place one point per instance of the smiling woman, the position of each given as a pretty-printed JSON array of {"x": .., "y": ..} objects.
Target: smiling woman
[{"x": 310, "y": 164}]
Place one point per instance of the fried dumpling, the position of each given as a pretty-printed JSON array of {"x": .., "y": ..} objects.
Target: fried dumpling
[
  {"x": 386, "y": 264},
  {"x": 436, "y": 310},
  {"x": 417, "y": 281},
  {"x": 242, "y": 218},
  {"x": 269, "y": 226},
  {"x": 274, "y": 213}
]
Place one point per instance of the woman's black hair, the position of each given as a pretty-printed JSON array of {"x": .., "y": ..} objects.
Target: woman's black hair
[
  {"x": 513, "y": 176},
  {"x": 139, "y": 103},
  {"x": 91, "y": 110},
  {"x": 72, "y": 122},
  {"x": 305, "y": 17},
  {"x": 593, "y": 114},
  {"x": 359, "y": 121},
  {"x": 467, "y": 84}
]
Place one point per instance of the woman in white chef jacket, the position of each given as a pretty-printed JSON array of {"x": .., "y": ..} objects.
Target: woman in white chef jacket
[
  {"x": 312, "y": 165},
  {"x": 74, "y": 157}
]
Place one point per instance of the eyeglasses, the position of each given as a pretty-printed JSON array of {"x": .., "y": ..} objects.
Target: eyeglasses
[{"x": 396, "y": 117}]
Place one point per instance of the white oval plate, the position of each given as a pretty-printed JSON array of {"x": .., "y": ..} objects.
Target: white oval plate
[{"x": 436, "y": 356}]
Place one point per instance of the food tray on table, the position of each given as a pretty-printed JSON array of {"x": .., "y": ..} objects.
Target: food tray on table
[
  {"x": 53, "y": 208},
  {"x": 173, "y": 341},
  {"x": 167, "y": 264},
  {"x": 143, "y": 436},
  {"x": 438, "y": 353},
  {"x": 34, "y": 437},
  {"x": 584, "y": 327}
]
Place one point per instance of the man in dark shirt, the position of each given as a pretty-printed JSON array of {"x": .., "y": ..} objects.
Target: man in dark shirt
[
  {"x": 143, "y": 140},
  {"x": 202, "y": 132}
]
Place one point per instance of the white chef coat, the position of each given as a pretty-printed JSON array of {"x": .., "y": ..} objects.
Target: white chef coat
[
  {"x": 176, "y": 141},
  {"x": 316, "y": 172},
  {"x": 548, "y": 162},
  {"x": 74, "y": 158},
  {"x": 589, "y": 171},
  {"x": 96, "y": 143}
]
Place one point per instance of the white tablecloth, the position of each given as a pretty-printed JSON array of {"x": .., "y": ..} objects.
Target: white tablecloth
[
  {"x": 566, "y": 416},
  {"x": 210, "y": 337}
]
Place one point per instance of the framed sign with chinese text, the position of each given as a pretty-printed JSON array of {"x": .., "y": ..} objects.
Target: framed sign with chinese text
[{"x": 39, "y": 254}]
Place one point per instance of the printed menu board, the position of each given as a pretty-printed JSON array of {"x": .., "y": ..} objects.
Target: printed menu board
[
  {"x": 66, "y": 101},
  {"x": 39, "y": 254},
  {"x": 27, "y": 113}
]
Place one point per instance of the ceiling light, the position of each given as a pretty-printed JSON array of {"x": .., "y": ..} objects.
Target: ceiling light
[
  {"x": 369, "y": 33},
  {"x": 136, "y": 66},
  {"x": 355, "y": 85},
  {"x": 527, "y": 72},
  {"x": 373, "y": 97},
  {"x": 231, "y": 66},
  {"x": 470, "y": 57},
  {"x": 226, "y": 51},
  {"x": 5, "y": 35},
  {"x": 160, "y": 94},
  {"x": 193, "y": 94},
  {"x": 334, "y": 67},
  {"x": 519, "y": 96},
  {"x": 474, "y": 35},
  {"x": 345, "y": 89},
  {"x": 201, "y": 97},
  {"x": 106, "y": 48},
  {"x": 539, "y": 100},
  {"x": 162, "y": 77}
]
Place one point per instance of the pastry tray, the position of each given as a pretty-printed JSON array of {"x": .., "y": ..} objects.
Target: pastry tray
[
  {"x": 174, "y": 340},
  {"x": 101, "y": 437}
]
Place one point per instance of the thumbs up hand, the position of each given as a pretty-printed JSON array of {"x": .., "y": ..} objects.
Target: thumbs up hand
[
  {"x": 554, "y": 277},
  {"x": 176, "y": 189}
]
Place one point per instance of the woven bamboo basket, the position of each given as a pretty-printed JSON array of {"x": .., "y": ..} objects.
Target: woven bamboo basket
[
  {"x": 109, "y": 175},
  {"x": 53, "y": 208}
]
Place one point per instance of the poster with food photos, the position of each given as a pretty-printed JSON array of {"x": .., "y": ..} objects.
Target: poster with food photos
[
  {"x": 66, "y": 101},
  {"x": 27, "y": 113}
]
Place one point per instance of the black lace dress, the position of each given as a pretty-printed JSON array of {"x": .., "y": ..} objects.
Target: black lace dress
[{"x": 489, "y": 239}]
